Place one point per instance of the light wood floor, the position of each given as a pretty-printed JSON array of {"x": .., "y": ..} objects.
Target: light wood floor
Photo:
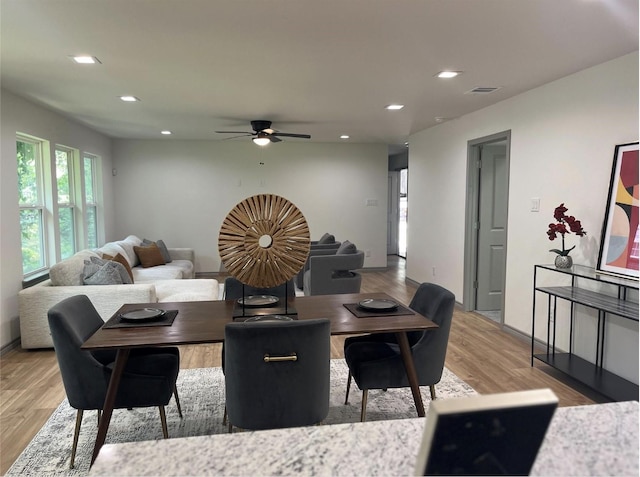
[{"x": 480, "y": 353}]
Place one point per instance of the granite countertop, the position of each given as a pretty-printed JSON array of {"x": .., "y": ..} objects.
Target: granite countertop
[{"x": 600, "y": 439}]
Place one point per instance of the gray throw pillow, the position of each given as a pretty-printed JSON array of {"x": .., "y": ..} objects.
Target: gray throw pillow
[
  {"x": 98, "y": 271},
  {"x": 164, "y": 251},
  {"x": 104, "y": 275},
  {"x": 327, "y": 238},
  {"x": 346, "y": 247}
]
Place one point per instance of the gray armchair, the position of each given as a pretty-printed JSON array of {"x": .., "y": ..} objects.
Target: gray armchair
[
  {"x": 330, "y": 274},
  {"x": 277, "y": 373},
  {"x": 149, "y": 378},
  {"x": 375, "y": 362},
  {"x": 327, "y": 245}
]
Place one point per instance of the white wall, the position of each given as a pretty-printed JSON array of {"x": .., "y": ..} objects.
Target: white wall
[
  {"x": 181, "y": 191},
  {"x": 18, "y": 115},
  {"x": 563, "y": 136}
]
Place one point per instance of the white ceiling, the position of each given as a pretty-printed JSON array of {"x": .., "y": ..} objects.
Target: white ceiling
[{"x": 322, "y": 67}]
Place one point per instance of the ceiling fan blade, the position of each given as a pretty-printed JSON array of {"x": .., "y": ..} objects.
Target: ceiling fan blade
[
  {"x": 233, "y": 137},
  {"x": 234, "y": 132},
  {"x": 274, "y": 139},
  {"x": 304, "y": 136}
]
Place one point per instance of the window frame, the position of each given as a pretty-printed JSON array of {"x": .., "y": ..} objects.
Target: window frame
[{"x": 50, "y": 208}]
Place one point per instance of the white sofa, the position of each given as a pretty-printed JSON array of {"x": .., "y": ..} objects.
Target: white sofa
[{"x": 171, "y": 282}]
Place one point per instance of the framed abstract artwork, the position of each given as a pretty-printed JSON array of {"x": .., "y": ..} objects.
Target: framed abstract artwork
[{"x": 619, "y": 245}]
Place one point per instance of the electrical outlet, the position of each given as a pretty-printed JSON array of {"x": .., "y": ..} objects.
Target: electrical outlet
[
  {"x": 367, "y": 253},
  {"x": 433, "y": 271}
]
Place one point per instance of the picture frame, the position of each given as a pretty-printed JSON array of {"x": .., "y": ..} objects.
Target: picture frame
[
  {"x": 491, "y": 434},
  {"x": 619, "y": 243}
]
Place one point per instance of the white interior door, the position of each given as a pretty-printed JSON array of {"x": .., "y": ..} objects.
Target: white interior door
[{"x": 492, "y": 227}]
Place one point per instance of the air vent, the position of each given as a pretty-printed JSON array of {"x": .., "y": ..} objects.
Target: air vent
[{"x": 483, "y": 89}]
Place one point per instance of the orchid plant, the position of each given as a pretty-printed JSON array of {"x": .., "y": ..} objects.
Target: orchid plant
[{"x": 565, "y": 224}]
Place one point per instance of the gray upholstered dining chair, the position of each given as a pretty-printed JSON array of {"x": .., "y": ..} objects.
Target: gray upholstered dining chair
[
  {"x": 334, "y": 273},
  {"x": 277, "y": 373},
  {"x": 375, "y": 362},
  {"x": 149, "y": 378}
]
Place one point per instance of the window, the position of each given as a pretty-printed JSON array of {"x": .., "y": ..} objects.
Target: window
[
  {"x": 59, "y": 203},
  {"x": 66, "y": 202},
  {"x": 90, "y": 199},
  {"x": 31, "y": 202}
]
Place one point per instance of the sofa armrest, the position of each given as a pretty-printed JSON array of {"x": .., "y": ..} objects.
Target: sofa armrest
[
  {"x": 182, "y": 254},
  {"x": 325, "y": 265},
  {"x": 34, "y": 303}
]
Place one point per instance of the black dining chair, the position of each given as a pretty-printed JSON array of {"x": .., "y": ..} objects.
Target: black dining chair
[
  {"x": 375, "y": 361},
  {"x": 277, "y": 373},
  {"x": 149, "y": 378}
]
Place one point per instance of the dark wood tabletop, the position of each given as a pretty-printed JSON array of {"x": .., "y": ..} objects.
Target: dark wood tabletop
[{"x": 204, "y": 321}]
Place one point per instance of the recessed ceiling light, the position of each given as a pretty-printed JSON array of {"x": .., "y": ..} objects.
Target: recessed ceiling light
[
  {"x": 129, "y": 99},
  {"x": 166, "y": 133},
  {"x": 344, "y": 136},
  {"x": 395, "y": 107},
  {"x": 439, "y": 119},
  {"x": 85, "y": 60},
  {"x": 448, "y": 74}
]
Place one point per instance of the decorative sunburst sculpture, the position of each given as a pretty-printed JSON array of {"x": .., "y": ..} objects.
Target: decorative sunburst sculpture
[{"x": 264, "y": 241}]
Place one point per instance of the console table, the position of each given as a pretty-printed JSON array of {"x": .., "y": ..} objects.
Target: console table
[{"x": 578, "y": 293}]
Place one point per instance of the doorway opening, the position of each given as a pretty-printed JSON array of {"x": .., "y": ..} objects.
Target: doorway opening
[
  {"x": 398, "y": 212},
  {"x": 486, "y": 225},
  {"x": 403, "y": 212}
]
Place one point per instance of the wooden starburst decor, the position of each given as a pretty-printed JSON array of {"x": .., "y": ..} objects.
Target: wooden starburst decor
[{"x": 264, "y": 241}]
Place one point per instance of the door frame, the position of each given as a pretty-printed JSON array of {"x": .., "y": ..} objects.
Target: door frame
[{"x": 471, "y": 216}]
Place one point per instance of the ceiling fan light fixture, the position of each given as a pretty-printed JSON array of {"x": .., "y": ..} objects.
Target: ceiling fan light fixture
[{"x": 261, "y": 139}]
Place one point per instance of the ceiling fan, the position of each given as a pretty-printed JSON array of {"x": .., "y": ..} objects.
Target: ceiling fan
[{"x": 263, "y": 134}]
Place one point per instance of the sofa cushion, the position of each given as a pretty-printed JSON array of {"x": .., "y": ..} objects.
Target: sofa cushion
[
  {"x": 113, "y": 249},
  {"x": 156, "y": 274},
  {"x": 162, "y": 246},
  {"x": 346, "y": 247},
  {"x": 120, "y": 259},
  {"x": 327, "y": 238},
  {"x": 127, "y": 244},
  {"x": 187, "y": 290},
  {"x": 69, "y": 272},
  {"x": 150, "y": 255}
]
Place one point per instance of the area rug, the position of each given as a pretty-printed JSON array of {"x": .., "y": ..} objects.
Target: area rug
[{"x": 201, "y": 394}]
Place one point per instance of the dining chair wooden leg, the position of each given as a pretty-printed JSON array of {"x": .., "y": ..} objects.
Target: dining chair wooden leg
[
  {"x": 99, "y": 415},
  {"x": 76, "y": 433},
  {"x": 163, "y": 421},
  {"x": 346, "y": 399},
  {"x": 230, "y": 428},
  {"x": 175, "y": 394},
  {"x": 224, "y": 416},
  {"x": 432, "y": 390},
  {"x": 363, "y": 411}
]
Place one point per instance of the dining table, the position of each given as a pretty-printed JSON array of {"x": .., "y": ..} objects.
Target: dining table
[{"x": 203, "y": 322}]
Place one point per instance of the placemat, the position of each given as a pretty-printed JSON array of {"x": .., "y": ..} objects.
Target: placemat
[
  {"x": 116, "y": 322},
  {"x": 362, "y": 313}
]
